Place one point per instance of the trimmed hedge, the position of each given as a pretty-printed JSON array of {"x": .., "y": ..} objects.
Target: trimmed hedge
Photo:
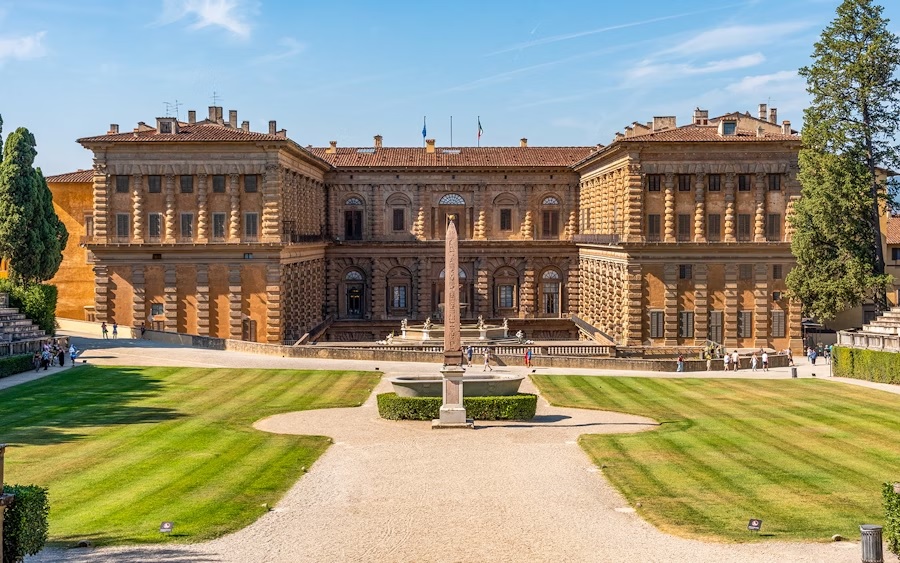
[
  {"x": 892, "y": 518},
  {"x": 25, "y": 525},
  {"x": 11, "y": 365},
  {"x": 871, "y": 365},
  {"x": 37, "y": 302},
  {"x": 513, "y": 407}
]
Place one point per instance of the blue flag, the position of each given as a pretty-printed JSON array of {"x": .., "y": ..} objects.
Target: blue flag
[{"x": 424, "y": 131}]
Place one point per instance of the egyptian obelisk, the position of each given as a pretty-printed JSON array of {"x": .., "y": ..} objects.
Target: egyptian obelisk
[{"x": 453, "y": 413}]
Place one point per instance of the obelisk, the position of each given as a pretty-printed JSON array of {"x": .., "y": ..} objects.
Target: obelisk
[{"x": 452, "y": 413}]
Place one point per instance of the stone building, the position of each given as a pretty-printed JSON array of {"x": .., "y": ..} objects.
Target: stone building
[{"x": 668, "y": 236}]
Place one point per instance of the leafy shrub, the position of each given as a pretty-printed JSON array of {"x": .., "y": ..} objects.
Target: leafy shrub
[
  {"x": 892, "y": 518},
  {"x": 37, "y": 302},
  {"x": 11, "y": 365},
  {"x": 513, "y": 407},
  {"x": 871, "y": 365},
  {"x": 25, "y": 525}
]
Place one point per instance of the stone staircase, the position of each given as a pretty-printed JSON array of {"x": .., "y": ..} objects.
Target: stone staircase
[
  {"x": 15, "y": 326},
  {"x": 887, "y": 323}
]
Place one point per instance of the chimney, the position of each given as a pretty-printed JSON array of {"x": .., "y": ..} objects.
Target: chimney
[
  {"x": 212, "y": 113},
  {"x": 523, "y": 142},
  {"x": 429, "y": 145},
  {"x": 245, "y": 126},
  {"x": 377, "y": 141},
  {"x": 760, "y": 132},
  {"x": 785, "y": 127},
  {"x": 701, "y": 116},
  {"x": 663, "y": 122},
  {"x": 272, "y": 127},
  {"x": 762, "y": 111},
  {"x": 332, "y": 149},
  {"x": 219, "y": 119},
  {"x": 192, "y": 117},
  {"x": 232, "y": 118},
  {"x": 113, "y": 129},
  {"x": 282, "y": 134},
  {"x": 773, "y": 115}
]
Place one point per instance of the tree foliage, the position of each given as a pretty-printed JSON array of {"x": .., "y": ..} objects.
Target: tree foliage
[
  {"x": 848, "y": 141},
  {"x": 32, "y": 237}
]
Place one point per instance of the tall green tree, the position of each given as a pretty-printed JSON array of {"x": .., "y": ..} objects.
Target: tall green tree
[
  {"x": 32, "y": 237},
  {"x": 848, "y": 145}
]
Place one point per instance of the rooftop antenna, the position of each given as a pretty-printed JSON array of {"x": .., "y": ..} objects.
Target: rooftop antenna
[
  {"x": 173, "y": 105},
  {"x": 216, "y": 98}
]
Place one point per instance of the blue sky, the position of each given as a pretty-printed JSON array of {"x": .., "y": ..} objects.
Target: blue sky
[{"x": 558, "y": 73}]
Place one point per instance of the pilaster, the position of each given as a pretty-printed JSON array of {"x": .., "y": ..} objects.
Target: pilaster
[
  {"x": 170, "y": 210},
  {"x": 670, "y": 323},
  {"x": 634, "y": 189},
  {"x": 235, "y": 301},
  {"x": 699, "y": 209},
  {"x": 759, "y": 231},
  {"x": 273, "y": 304},
  {"x": 139, "y": 301},
  {"x": 379, "y": 291},
  {"x": 101, "y": 294},
  {"x": 234, "y": 224},
  {"x": 761, "y": 305},
  {"x": 271, "y": 212},
  {"x": 202, "y": 211},
  {"x": 100, "y": 197},
  {"x": 701, "y": 303},
  {"x": 670, "y": 208},
  {"x": 634, "y": 309},
  {"x": 171, "y": 298},
  {"x": 729, "y": 336},
  {"x": 729, "y": 208},
  {"x": 482, "y": 288},
  {"x": 424, "y": 282},
  {"x": 137, "y": 209},
  {"x": 527, "y": 306},
  {"x": 203, "y": 299}
]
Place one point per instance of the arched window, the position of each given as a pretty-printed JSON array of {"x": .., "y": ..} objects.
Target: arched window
[
  {"x": 462, "y": 274},
  {"x": 452, "y": 199},
  {"x": 353, "y": 201},
  {"x": 550, "y": 292},
  {"x": 353, "y": 218},
  {"x": 353, "y": 275},
  {"x": 550, "y": 217},
  {"x": 550, "y": 201}
]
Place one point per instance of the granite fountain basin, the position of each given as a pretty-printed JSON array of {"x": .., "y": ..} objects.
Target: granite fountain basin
[{"x": 473, "y": 385}]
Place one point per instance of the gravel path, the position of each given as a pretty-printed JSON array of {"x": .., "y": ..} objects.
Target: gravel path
[{"x": 399, "y": 491}]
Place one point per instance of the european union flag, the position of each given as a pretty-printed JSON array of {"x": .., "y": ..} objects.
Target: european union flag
[{"x": 424, "y": 131}]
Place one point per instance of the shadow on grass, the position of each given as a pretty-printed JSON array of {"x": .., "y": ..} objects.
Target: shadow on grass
[
  {"x": 47, "y": 410},
  {"x": 99, "y": 555}
]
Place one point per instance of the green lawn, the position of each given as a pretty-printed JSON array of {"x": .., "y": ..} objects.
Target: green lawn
[
  {"x": 808, "y": 457},
  {"x": 122, "y": 449}
]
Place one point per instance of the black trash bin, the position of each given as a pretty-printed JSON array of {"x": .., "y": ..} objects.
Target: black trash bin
[
  {"x": 794, "y": 373},
  {"x": 871, "y": 544}
]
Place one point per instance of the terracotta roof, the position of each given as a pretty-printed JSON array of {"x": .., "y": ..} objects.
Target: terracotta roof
[
  {"x": 202, "y": 131},
  {"x": 456, "y": 157},
  {"x": 704, "y": 133},
  {"x": 77, "y": 177},
  {"x": 893, "y": 230}
]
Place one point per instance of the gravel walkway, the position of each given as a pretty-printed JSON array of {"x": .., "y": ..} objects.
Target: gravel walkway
[{"x": 399, "y": 491}]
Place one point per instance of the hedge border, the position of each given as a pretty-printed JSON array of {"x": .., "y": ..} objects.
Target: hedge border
[
  {"x": 12, "y": 365},
  {"x": 891, "y": 517},
  {"x": 25, "y": 526},
  {"x": 512, "y": 407},
  {"x": 869, "y": 365}
]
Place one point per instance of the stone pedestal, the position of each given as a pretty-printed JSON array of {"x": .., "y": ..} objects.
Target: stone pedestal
[{"x": 453, "y": 414}]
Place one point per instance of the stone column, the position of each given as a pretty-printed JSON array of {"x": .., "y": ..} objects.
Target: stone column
[
  {"x": 170, "y": 207},
  {"x": 203, "y": 299},
  {"x": 701, "y": 303},
  {"x": 699, "y": 208},
  {"x": 101, "y": 294},
  {"x": 271, "y": 211},
  {"x": 171, "y": 298},
  {"x": 527, "y": 305},
  {"x": 729, "y": 336},
  {"x": 634, "y": 308},
  {"x": 273, "y": 304},
  {"x": 761, "y": 300},
  {"x": 100, "y": 198},
  {"x": 670, "y": 326},
  {"x": 729, "y": 208},
  {"x": 634, "y": 189},
  {"x": 137, "y": 208},
  {"x": 202, "y": 210},
  {"x": 759, "y": 231},
  {"x": 234, "y": 226},
  {"x": 670, "y": 208},
  {"x": 139, "y": 301},
  {"x": 235, "y": 300},
  {"x": 379, "y": 290}
]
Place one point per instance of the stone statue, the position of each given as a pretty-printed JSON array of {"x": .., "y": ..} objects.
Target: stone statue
[
  {"x": 505, "y": 323},
  {"x": 520, "y": 335},
  {"x": 480, "y": 322},
  {"x": 403, "y": 324},
  {"x": 428, "y": 324}
]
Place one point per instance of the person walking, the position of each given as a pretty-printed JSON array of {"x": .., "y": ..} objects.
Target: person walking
[
  {"x": 104, "y": 330},
  {"x": 115, "y": 330},
  {"x": 36, "y": 361},
  {"x": 469, "y": 352},
  {"x": 679, "y": 363},
  {"x": 72, "y": 353},
  {"x": 144, "y": 329},
  {"x": 765, "y": 360},
  {"x": 487, "y": 360},
  {"x": 708, "y": 361},
  {"x": 753, "y": 361},
  {"x": 528, "y": 358},
  {"x": 726, "y": 361},
  {"x": 735, "y": 361}
]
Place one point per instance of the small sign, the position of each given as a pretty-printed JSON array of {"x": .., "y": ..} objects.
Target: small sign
[
  {"x": 166, "y": 527},
  {"x": 754, "y": 525}
]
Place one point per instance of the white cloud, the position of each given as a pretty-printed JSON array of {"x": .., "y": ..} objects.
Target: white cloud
[
  {"x": 22, "y": 48},
  {"x": 660, "y": 71},
  {"x": 782, "y": 80},
  {"x": 231, "y": 15},
  {"x": 734, "y": 37},
  {"x": 290, "y": 46}
]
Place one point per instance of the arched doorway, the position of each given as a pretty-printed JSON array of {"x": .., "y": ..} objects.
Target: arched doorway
[
  {"x": 551, "y": 293},
  {"x": 354, "y": 292}
]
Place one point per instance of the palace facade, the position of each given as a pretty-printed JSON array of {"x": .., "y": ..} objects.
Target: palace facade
[{"x": 670, "y": 235}]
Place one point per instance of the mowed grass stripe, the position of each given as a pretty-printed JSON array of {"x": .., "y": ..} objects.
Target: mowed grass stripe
[
  {"x": 129, "y": 447},
  {"x": 805, "y": 456}
]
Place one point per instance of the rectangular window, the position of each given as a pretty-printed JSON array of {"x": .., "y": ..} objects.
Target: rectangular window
[
  {"x": 773, "y": 227},
  {"x": 218, "y": 222},
  {"x": 250, "y": 183},
  {"x": 745, "y": 272},
  {"x": 714, "y": 182},
  {"x": 656, "y": 324},
  {"x": 399, "y": 220},
  {"x": 218, "y": 182},
  {"x": 774, "y": 182},
  {"x": 122, "y": 184},
  {"x": 777, "y": 323},
  {"x": 398, "y": 297},
  {"x": 743, "y": 182},
  {"x": 187, "y": 226},
  {"x": 714, "y": 330},
  {"x": 745, "y": 324},
  {"x": 684, "y": 227},
  {"x": 550, "y": 224},
  {"x": 714, "y": 227},
  {"x": 895, "y": 254},
  {"x": 653, "y": 227},
  {"x": 89, "y": 227},
  {"x": 684, "y": 182},
  {"x": 353, "y": 224},
  {"x": 777, "y": 271},
  {"x": 685, "y": 271},
  {"x": 156, "y": 309},
  {"x": 743, "y": 227},
  {"x": 187, "y": 184},
  {"x": 154, "y": 226},
  {"x": 505, "y": 297},
  {"x": 251, "y": 226},
  {"x": 123, "y": 221},
  {"x": 154, "y": 184},
  {"x": 686, "y": 324},
  {"x": 654, "y": 181},
  {"x": 506, "y": 219}
]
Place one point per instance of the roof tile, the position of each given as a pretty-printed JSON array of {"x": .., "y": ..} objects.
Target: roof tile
[
  {"x": 893, "y": 230},
  {"x": 705, "y": 133},
  {"x": 197, "y": 132},
  {"x": 456, "y": 157},
  {"x": 77, "y": 177}
]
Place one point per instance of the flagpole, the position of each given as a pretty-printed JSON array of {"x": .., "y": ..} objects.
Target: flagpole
[
  {"x": 423, "y": 130},
  {"x": 451, "y": 131},
  {"x": 478, "y": 125}
]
